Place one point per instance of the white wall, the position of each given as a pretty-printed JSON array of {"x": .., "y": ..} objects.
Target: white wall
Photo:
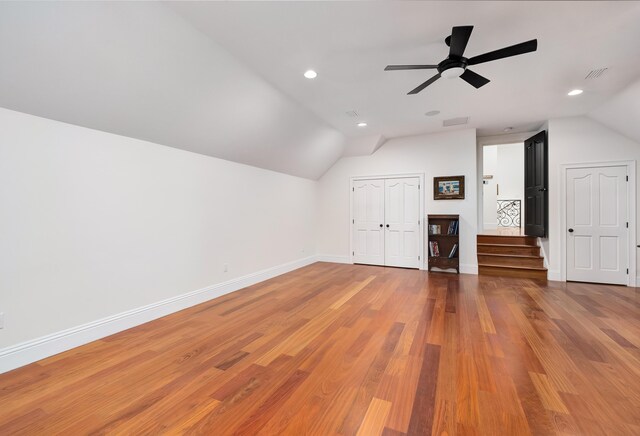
[
  {"x": 93, "y": 224},
  {"x": 578, "y": 140},
  {"x": 444, "y": 154}
]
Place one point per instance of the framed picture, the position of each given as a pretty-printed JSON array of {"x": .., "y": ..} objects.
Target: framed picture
[{"x": 448, "y": 188}]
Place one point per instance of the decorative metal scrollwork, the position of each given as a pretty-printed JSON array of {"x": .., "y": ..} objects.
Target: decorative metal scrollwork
[{"x": 508, "y": 213}]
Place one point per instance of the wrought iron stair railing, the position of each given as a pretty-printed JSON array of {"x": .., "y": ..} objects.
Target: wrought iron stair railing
[{"x": 509, "y": 213}]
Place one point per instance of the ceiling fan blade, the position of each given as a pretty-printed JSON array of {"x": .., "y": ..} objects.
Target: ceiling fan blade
[
  {"x": 409, "y": 67},
  {"x": 424, "y": 85},
  {"x": 514, "y": 50},
  {"x": 459, "y": 38},
  {"x": 474, "y": 79}
]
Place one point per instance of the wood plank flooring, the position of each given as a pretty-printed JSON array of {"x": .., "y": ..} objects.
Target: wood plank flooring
[{"x": 353, "y": 350}]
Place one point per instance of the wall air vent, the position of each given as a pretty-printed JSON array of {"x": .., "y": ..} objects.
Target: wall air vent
[
  {"x": 595, "y": 74},
  {"x": 353, "y": 114},
  {"x": 455, "y": 121}
]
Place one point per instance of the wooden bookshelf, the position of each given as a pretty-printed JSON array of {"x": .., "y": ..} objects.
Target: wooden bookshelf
[{"x": 445, "y": 242}]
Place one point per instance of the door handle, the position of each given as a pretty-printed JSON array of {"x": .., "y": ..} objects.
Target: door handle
[
  {"x": 542, "y": 189},
  {"x": 570, "y": 230},
  {"x": 380, "y": 225},
  {"x": 387, "y": 225}
]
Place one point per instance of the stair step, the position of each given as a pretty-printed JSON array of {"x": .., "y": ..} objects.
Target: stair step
[
  {"x": 512, "y": 271},
  {"x": 510, "y": 260},
  {"x": 522, "y": 250},
  {"x": 538, "y": 268},
  {"x": 510, "y": 240}
]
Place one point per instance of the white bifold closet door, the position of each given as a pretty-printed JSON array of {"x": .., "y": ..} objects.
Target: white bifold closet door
[
  {"x": 368, "y": 222},
  {"x": 387, "y": 222},
  {"x": 597, "y": 233}
]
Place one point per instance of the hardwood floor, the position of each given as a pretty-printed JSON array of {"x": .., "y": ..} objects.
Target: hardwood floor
[{"x": 353, "y": 350}]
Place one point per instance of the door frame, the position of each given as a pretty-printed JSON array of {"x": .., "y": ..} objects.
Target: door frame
[
  {"x": 631, "y": 208},
  {"x": 421, "y": 263},
  {"x": 483, "y": 141}
]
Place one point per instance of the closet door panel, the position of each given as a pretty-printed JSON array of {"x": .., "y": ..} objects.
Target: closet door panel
[
  {"x": 368, "y": 222},
  {"x": 402, "y": 214}
]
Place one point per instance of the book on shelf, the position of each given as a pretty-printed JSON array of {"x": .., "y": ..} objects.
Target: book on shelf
[
  {"x": 434, "y": 249},
  {"x": 435, "y": 229},
  {"x": 454, "y": 251},
  {"x": 453, "y": 228}
]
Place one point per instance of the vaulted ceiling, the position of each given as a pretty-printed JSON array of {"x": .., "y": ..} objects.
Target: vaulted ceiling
[{"x": 225, "y": 78}]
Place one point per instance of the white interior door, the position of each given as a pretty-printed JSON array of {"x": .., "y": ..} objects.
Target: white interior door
[
  {"x": 402, "y": 216},
  {"x": 368, "y": 221},
  {"x": 597, "y": 233}
]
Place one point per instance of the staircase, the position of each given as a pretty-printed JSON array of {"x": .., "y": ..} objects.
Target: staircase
[{"x": 510, "y": 256}]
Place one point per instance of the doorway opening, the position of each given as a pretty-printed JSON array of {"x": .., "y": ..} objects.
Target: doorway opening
[{"x": 503, "y": 192}]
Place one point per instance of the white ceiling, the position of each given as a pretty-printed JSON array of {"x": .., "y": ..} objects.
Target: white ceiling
[
  {"x": 350, "y": 43},
  {"x": 139, "y": 70},
  {"x": 225, "y": 78}
]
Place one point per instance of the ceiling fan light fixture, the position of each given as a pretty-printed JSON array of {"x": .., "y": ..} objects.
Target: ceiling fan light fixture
[{"x": 452, "y": 72}]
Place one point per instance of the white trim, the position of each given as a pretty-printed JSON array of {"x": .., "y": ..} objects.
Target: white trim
[
  {"x": 480, "y": 186},
  {"x": 422, "y": 262},
  {"x": 468, "y": 268},
  {"x": 487, "y": 141},
  {"x": 332, "y": 258},
  {"x": 638, "y": 282},
  {"x": 545, "y": 260},
  {"x": 554, "y": 275},
  {"x": 508, "y": 138},
  {"x": 27, "y": 352},
  {"x": 631, "y": 207}
]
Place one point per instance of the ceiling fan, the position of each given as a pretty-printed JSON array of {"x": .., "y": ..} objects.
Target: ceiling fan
[{"x": 455, "y": 65}]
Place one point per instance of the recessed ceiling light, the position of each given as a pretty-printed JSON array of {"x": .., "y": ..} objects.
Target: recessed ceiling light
[
  {"x": 508, "y": 129},
  {"x": 310, "y": 74},
  {"x": 432, "y": 113},
  {"x": 575, "y": 92},
  {"x": 362, "y": 124}
]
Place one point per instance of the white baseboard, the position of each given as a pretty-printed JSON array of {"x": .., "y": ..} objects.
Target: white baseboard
[
  {"x": 554, "y": 275},
  {"x": 467, "y": 268},
  {"x": 545, "y": 259},
  {"x": 33, "y": 350},
  {"x": 332, "y": 258}
]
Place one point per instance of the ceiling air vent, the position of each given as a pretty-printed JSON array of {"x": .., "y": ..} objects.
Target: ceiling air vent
[
  {"x": 594, "y": 74},
  {"x": 455, "y": 121},
  {"x": 352, "y": 114}
]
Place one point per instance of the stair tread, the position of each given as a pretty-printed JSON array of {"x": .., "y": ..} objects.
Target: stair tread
[
  {"x": 513, "y": 267},
  {"x": 509, "y": 255},
  {"x": 504, "y": 236},
  {"x": 505, "y": 245}
]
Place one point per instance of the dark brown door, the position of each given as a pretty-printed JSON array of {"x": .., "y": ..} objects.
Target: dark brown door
[{"x": 536, "y": 185}]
